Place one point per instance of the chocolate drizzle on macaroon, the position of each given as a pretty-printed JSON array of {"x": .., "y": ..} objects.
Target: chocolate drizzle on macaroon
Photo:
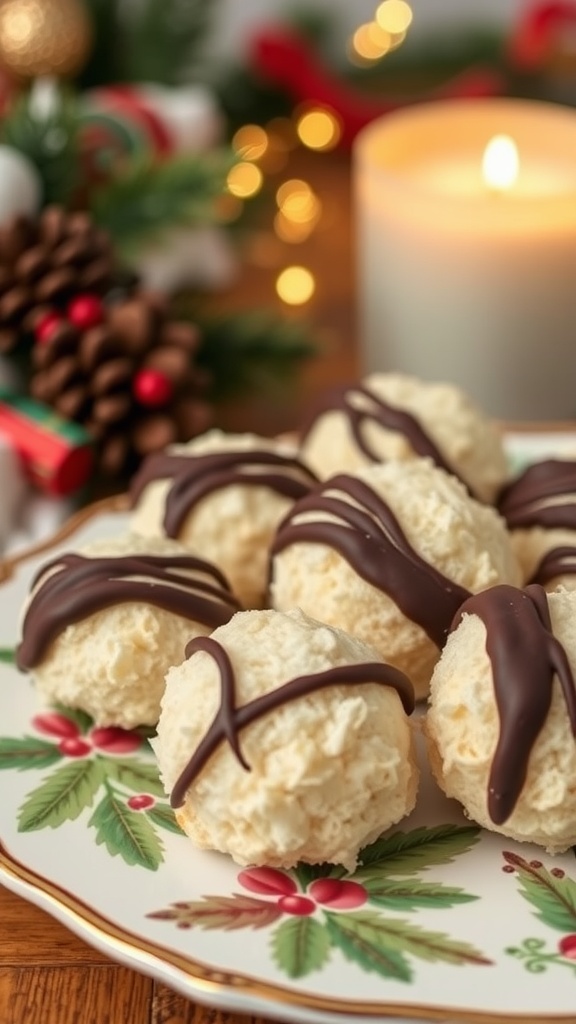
[
  {"x": 72, "y": 587},
  {"x": 230, "y": 719},
  {"x": 360, "y": 406},
  {"x": 543, "y": 495},
  {"x": 367, "y": 534},
  {"x": 525, "y": 657},
  {"x": 195, "y": 476}
]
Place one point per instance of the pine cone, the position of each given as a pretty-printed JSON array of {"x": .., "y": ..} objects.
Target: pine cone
[
  {"x": 45, "y": 262},
  {"x": 130, "y": 380}
]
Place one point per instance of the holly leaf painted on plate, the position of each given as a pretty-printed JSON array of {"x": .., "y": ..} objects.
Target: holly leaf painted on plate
[
  {"x": 140, "y": 776},
  {"x": 372, "y": 930},
  {"x": 126, "y": 833},
  {"x": 404, "y": 853},
  {"x": 226, "y": 912},
  {"x": 62, "y": 796},
  {"x": 301, "y": 945},
  {"x": 360, "y": 938},
  {"x": 307, "y": 873},
  {"x": 553, "y": 898},
  {"x": 163, "y": 816},
  {"x": 26, "y": 752},
  {"x": 396, "y": 895},
  {"x": 8, "y": 655}
]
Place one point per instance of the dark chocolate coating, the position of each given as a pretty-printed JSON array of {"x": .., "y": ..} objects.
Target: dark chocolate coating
[
  {"x": 80, "y": 586},
  {"x": 525, "y": 657},
  {"x": 229, "y": 719}
]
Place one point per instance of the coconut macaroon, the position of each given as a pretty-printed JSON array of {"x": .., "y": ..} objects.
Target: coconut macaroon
[
  {"x": 502, "y": 716},
  {"x": 393, "y": 416},
  {"x": 539, "y": 507},
  {"x": 283, "y": 740},
  {"x": 224, "y": 495},
  {"x": 389, "y": 554},
  {"x": 103, "y": 624}
]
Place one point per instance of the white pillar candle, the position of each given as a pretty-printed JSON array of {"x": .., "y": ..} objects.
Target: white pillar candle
[{"x": 465, "y": 279}]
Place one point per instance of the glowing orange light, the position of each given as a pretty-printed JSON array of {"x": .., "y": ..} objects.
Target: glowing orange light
[
  {"x": 244, "y": 180},
  {"x": 250, "y": 142},
  {"x": 319, "y": 129},
  {"x": 295, "y": 285}
]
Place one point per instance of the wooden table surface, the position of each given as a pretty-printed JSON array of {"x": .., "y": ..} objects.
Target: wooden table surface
[{"x": 47, "y": 974}]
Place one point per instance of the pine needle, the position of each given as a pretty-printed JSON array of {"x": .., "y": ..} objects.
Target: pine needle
[{"x": 148, "y": 198}]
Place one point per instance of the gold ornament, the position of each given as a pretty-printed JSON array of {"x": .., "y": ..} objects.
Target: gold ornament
[{"x": 43, "y": 37}]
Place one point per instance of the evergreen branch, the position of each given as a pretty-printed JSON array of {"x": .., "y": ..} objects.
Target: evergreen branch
[
  {"x": 246, "y": 351},
  {"x": 50, "y": 141},
  {"x": 149, "y": 197},
  {"x": 148, "y": 41}
]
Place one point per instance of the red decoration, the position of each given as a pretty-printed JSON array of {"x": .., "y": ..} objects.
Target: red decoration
[
  {"x": 152, "y": 388},
  {"x": 57, "y": 455},
  {"x": 288, "y": 61},
  {"x": 47, "y": 325},
  {"x": 536, "y": 32},
  {"x": 85, "y": 311}
]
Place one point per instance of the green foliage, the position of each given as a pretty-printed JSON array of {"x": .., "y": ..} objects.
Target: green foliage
[
  {"x": 404, "y": 853},
  {"x": 553, "y": 898},
  {"x": 147, "y": 198},
  {"x": 27, "y": 752},
  {"x": 146, "y": 41},
  {"x": 62, "y": 796},
  {"x": 141, "y": 776},
  {"x": 247, "y": 351},
  {"x": 395, "y": 895},
  {"x": 300, "y": 945},
  {"x": 126, "y": 833},
  {"x": 50, "y": 141},
  {"x": 8, "y": 655}
]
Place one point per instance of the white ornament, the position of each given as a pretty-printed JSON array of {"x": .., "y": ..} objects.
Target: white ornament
[
  {"x": 190, "y": 113},
  {"x": 199, "y": 256},
  {"x": 20, "y": 185}
]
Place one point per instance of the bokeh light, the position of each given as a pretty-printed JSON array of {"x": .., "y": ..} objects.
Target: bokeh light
[
  {"x": 295, "y": 285},
  {"x": 394, "y": 16},
  {"x": 370, "y": 42},
  {"x": 244, "y": 180},
  {"x": 319, "y": 129},
  {"x": 250, "y": 142}
]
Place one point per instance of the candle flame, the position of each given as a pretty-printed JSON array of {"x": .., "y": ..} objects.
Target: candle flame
[{"x": 500, "y": 163}]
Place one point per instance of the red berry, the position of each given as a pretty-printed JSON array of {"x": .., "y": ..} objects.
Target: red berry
[
  {"x": 47, "y": 326},
  {"x": 338, "y": 894},
  {"x": 299, "y": 905},
  {"x": 115, "y": 740},
  {"x": 141, "y": 802},
  {"x": 267, "y": 882},
  {"x": 152, "y": 388},
  {"x": 567, "y": 946},
  {"x": 85, "y": 311},
  {"x": 54, "y": 724},
  {"x": 74, "y": 747}
]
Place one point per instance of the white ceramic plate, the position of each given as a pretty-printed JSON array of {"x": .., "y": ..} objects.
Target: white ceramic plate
[{"x": 443, "y": 921}]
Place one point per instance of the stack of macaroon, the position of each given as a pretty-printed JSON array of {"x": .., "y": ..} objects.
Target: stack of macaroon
[{"x": 278, "y": 605}]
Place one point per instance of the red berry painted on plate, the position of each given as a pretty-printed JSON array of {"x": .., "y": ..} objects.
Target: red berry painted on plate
[
  {"x": 267, "y": 882},
  {"x": 115, "y": 740},
  {"x": 567, "y": 946},
  {"x": 300, "y": 906},
  {"x": 141, "y": 802},
  {"x": 339, "y": 894},
  {"x": 53, "y": 724},
  {"x": 85, "y": 311},
  {"x": 74, "y": 747},
  {"x": 47, "y": 326},
  {"x": 152, "y": 388}
]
